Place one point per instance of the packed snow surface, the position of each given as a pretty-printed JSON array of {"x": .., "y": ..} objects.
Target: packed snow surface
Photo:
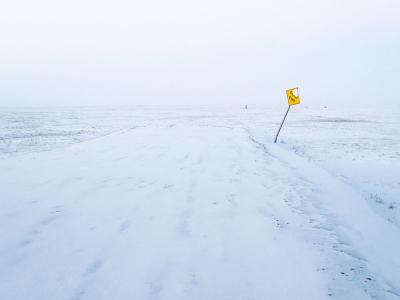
[{"x": 199, "y": 203}]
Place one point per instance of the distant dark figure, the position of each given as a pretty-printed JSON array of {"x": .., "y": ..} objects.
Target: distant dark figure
[{"x": 245, "y": 107}]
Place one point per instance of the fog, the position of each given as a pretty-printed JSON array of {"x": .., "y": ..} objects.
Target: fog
[{"x": 199, "y": 52}]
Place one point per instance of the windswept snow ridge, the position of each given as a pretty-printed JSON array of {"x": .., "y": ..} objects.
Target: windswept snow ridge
[{"x": 191, "y": 204}]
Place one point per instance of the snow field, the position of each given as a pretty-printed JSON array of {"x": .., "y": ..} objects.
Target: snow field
[{"x": 193, "y": 205}]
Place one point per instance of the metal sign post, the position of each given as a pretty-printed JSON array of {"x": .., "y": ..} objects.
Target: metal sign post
[
  {"x": 293, "y": 99},
  {"x": 280, "y": 127}
]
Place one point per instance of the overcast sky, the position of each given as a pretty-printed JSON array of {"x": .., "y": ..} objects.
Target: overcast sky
[{"x": 117, "y": 52}]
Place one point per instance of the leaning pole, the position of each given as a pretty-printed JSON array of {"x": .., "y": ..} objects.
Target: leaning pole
[
  {"x": 293, "y": 99},
  {"x": 280, "y": 127}
]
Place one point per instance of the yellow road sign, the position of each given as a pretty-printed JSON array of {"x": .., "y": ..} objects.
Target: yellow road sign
[{"x": 293, "y": 96}]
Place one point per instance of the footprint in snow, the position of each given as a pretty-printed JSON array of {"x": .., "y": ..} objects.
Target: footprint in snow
[
  {"x": 83, "y": 288},
  {"x": 124, "y": 226},
  {"x": 36, "y": 230},
  {"x": 94, "y": 266}
]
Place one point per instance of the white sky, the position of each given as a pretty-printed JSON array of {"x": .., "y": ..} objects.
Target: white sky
[{"x": 199, "y": 52}]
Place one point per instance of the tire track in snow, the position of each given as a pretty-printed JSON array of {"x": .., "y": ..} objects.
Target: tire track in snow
[{"x": 348, "y": 270}]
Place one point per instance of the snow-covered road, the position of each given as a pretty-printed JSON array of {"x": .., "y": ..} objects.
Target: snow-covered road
[{"x": 188, "y": 210}]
